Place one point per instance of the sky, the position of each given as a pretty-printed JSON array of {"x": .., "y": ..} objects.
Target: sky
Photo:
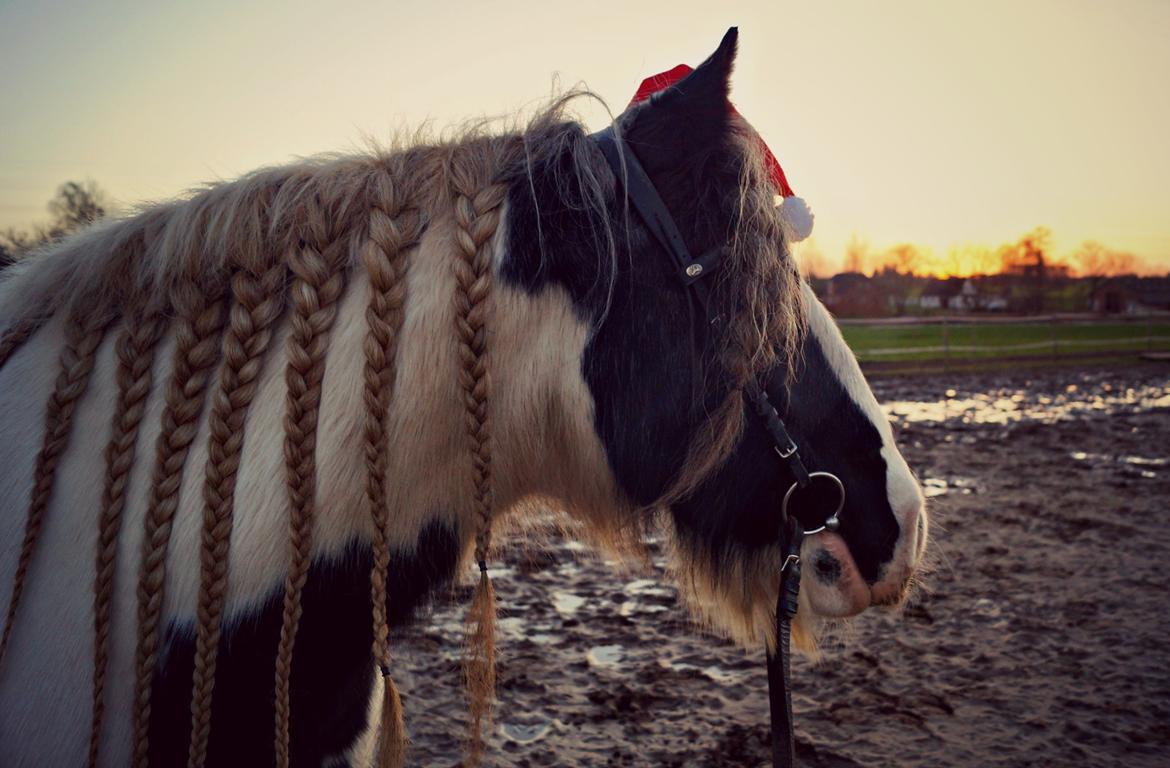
[{"x": 941, "y": 123}]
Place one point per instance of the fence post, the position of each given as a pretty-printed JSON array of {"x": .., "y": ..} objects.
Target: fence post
[
  {"x": 1052, "y": 330},
  {"x": 1149, "y": 332}
]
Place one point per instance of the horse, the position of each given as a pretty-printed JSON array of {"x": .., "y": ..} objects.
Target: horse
[{"x": 246, "y": 433}]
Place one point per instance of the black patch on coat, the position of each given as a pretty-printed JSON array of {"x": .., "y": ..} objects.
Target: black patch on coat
[
  {"x": 738, "y": 509},
  {"x": 333, "y": 665},
  {"x": 642, "y": 363}
]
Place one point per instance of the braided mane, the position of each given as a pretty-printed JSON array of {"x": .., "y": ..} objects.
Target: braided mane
[{"x": 217, "y": 279}]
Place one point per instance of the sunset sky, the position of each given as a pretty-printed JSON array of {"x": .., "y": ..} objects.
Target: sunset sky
[{"x": 937, "y": 123}]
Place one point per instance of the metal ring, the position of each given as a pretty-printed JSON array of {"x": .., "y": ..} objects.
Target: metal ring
[{"x": 830, "y": 521}]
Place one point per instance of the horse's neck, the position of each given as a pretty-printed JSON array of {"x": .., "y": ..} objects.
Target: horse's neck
[
  {"x": 540, "y": 424},
  {"x": 540, "y": 411}
]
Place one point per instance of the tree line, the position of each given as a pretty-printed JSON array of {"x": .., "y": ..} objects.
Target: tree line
[
  {"x": 1030, "y": 253},
  {"x": 75, "y": 205}
]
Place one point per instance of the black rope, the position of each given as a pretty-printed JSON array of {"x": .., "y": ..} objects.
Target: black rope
[
  {"x": 779, "y": 669},
  {"x": 780, "y": 698}
]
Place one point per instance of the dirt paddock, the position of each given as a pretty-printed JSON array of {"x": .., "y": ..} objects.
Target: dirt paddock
[{"x": 1041, "y": 635}]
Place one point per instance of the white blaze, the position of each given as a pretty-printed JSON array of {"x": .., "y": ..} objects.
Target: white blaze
[{"x": 902, "y": 488}]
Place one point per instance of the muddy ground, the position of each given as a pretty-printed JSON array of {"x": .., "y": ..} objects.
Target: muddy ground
[{"x": 1041, "y": 636}]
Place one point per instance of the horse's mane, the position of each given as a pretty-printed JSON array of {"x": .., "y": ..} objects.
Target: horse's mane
[
  {"x": 202, "y": 237},
  {"x": 217, "y": 228},
  {"x": 215, "y": 269}
]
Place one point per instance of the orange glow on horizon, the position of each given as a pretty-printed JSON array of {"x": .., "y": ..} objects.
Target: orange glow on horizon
[{"x": 1089, "y": 259}]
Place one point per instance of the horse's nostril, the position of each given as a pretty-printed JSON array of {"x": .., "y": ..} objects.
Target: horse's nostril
[{"x": 826, "y": 567}]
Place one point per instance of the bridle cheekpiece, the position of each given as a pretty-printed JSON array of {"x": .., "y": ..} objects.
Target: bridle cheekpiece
[{"x": 690, "y": 271}]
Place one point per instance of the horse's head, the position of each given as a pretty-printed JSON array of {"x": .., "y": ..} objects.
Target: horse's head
[
  {"x": 668, "y": 386},
  {"x": 729, "y": 525}
]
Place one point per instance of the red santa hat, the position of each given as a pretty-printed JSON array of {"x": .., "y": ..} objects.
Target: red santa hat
[{"x": 798, "y": 217}]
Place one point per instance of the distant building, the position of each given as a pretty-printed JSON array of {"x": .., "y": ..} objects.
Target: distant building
[
  {"x": 1131, "y": 295},
  {"x": 1154, "y": 293},
  {"x": 853, "y": 294},
  {"x": 967, "y": 299},
  {"x": 1112, "y": 298},
  {"x": 938, "y": 292},
  {"x": 888, "y": 292},
  {"x": 994, "y": 304}
]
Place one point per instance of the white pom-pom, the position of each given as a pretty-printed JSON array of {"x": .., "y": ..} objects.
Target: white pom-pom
[{"x": 798, "y": 218}]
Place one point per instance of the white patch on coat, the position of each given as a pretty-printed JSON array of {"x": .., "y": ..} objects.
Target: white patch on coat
[
  {"x": 45, "y": 680},
  {"x": 544, "y": 447},
  {"x": 902, "y": 488}
]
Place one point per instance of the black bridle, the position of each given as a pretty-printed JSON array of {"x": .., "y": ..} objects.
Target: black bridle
[{"x": 690, "y": 271}]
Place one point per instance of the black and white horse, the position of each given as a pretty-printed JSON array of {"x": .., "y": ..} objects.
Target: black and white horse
[{"x": 475, "y": 328}]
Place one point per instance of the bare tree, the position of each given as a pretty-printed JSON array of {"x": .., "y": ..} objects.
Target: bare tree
[
  {"x": 14, "y": 242},
  {"x": 903, "y": 259},
  {"x": 856, "y": 254},
  {"x": 1096, "y": 261},
  {"x": 75, "y": 205},
  {"x": 1028, "y": 259}
]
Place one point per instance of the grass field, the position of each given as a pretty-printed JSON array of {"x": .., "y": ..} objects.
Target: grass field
[{"x": 889, "y": 342}]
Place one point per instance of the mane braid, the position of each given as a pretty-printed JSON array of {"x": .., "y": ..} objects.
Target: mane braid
[
  {"x": 135, "y": 350},
  {"x": 257, "y": 301},
  {"x": 83, "y": 336},
  {"x": 391, "y": 233},
  {"x": 18, "y": 333},
  {"x": 477, "y": 216},
  {"x": 319, "y": 282},
  {"x": 197, "y": 335}
]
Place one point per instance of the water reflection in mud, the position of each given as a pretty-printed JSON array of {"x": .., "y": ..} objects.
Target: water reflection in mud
[
  {"x": 525, "y": 733},
  {"x": 606, "y": 656},
  {"x": 1012, "y": 404},
  {"x": 1032, "y": 478},
  {"x": 1136, "y": 466},
  {"x": 1092, "y": 395},
  {"x": 566, "y": 603}
]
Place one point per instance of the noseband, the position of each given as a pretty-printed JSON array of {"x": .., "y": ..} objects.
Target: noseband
[{"x": 805, "y": 519}]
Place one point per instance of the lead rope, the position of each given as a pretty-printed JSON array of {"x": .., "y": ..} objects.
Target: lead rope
[{"x": 779, "y": 668}]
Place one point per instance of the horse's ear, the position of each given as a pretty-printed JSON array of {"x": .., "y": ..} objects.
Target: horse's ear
[
  {"x": 694, "y": 112},
  {"x": 710, "y": 84}
]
